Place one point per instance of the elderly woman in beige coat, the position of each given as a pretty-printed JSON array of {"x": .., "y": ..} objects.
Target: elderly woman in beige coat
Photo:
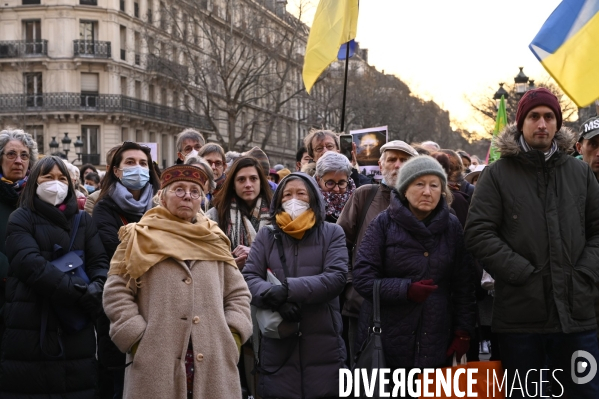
[{"x": 177, "y": 304}]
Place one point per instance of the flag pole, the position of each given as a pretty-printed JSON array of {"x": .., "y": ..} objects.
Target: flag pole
[{"x": 345, "y": 87}]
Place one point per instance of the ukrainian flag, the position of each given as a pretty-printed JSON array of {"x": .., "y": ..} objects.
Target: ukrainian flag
[
  {"x": 335, "y": 23},
  {"x": 568, "y": 47}
]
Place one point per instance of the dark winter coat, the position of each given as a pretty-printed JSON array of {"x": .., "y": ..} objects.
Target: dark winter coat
[
  {"x": 534, "y": 224},
  {"x": 33, "y": 282},
  {"x": 399, "y": 249},
  {"x": 318, "y": 263},
  {"x": 107, "y": 217}
]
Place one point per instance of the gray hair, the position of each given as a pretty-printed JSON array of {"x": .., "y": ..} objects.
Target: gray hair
[
  {"x": 431, "y": 144},
  {"x": 230, "y": 157},
  {"x": 201, "y": 163},
  {"x": 23, "y": 137},
  {"x": 332, "y": 162},
  {"x": 189, "y": 134}
]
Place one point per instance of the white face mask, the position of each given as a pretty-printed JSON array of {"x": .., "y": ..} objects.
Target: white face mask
[
  {"x": 53, "y": 192},
  {"x": 295, "y": 207},
  {"x": 192, "y": 153}
]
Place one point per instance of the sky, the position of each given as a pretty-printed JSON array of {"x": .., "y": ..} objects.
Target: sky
[{"x": 449, "y": 50}]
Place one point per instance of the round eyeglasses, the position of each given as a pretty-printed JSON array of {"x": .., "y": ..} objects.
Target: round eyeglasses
[
  {"x": 180, "y": 192},
  {"x": 332, "y": 183},
  {"x": 12, "y": 155}
]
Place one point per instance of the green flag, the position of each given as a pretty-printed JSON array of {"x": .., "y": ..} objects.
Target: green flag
[{"x": 500, "y": 123}]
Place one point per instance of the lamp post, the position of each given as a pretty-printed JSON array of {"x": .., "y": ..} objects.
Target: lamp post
[
  {"x": 497, "y": 96},
  {"x": 520, "y": 82},
  {"x": 53, "y": 145},
  {"x": 66, "y": 145},
  {"x": 78, "y": 147}
]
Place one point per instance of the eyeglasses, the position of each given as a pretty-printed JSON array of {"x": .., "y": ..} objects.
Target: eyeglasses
[
  {"x": 332, "y": 183},
  {"x": 188, "y": 148},
  {"x": 180, "y": 192},
  {"x": 329, "y": 147},
  {"x": 12, "y": 155},
  {"x": 217, "y": 164}
]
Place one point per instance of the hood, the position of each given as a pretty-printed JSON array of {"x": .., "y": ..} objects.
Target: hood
[
  {"x": 507, "y": 140},
  {"x": 310, "y": 183}
]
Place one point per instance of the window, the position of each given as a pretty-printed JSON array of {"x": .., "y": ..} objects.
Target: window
[
  {"x": 33, "y": 89},
  {"x": 138, "y": 89},
  {"x": 91, "y": 149},
  {"x": 89, "y": 89},
  {"x": 204, "y": 4},
  {"x": 163, "y": 16},
  {"x": 139, "y": 136},
  {"x": 149, "y": 15},
  {"x": 87, "y": 36},
  {"x": 31, "y": 2},
  {"x": 38, "y": 134},
  {"x": 163, "y": 97},
  {"x": 123, "y": 35},
  {"x": 124, "y": 134},
  {"x": 137, "y": 48},
  {"x": 151, "y": 97},
  {"x": 123, "y": 86},
  {"x": 122, "y": 5},
  {"x": 136, "y": 10},
  {"x": 33, "y": 37}
]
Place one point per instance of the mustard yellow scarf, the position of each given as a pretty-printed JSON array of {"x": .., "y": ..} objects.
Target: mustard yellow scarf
[
  {"x": 160, "y": 235},
  {"x": 296, "y": 228}
]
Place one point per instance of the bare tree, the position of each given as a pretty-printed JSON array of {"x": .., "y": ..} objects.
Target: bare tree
[{"x": 238, "y": 62}]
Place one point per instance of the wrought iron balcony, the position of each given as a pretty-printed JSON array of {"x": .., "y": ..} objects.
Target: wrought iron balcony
[
  {"x": 23, "y": 104},
  {"x": 167, "y": 67},
  {"x": 91, "y": 48},
  {"x": 21, "y": 48}
]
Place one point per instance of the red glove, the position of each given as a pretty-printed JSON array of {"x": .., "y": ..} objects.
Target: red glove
[
  {"x": 460, "y": 344},
  {"x": 420, "y": 290}
]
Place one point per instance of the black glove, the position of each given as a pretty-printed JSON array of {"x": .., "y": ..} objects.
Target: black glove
[
  {"x": 275, "y": 296},
  {"x": 290, "y": 311},
  {"x": 91, "y": 301}
]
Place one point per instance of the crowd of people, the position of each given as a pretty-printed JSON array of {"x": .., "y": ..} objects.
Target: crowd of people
[{"x": 136, "y": 282}]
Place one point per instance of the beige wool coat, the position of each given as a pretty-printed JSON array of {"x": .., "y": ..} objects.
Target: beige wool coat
[{"x": 173, "y": 304}]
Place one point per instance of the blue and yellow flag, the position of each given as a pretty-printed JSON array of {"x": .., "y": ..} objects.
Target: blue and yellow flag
[
  {"x": 500, "y": 123},
  {"x": 335, "y": 23},
  {"x": 567, "y": 46}
]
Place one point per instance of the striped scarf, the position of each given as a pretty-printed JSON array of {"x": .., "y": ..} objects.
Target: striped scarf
[
  {"x": 524, "y": 145},
  {"x": 241, "y": 230}
]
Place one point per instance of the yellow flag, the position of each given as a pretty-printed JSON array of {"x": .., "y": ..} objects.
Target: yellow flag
[{"x": 335, "y": 23}]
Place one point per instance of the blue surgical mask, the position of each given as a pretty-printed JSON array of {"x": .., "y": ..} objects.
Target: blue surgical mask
[
  {"x": 90, "y": 189},
  {"x": 135, "y": 177}
]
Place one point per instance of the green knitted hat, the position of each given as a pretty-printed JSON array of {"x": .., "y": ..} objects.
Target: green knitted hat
[{"x": 416, "y": 167}]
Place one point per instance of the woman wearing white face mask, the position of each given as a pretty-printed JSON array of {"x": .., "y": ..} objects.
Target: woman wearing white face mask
[
  {"x": 127, "y": 190},
  {"x": 38, "y": 233},
  {"x": 316, "y": 258}
]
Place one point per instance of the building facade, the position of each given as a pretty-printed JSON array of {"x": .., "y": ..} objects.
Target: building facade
[{"x": 99, "y": 72}]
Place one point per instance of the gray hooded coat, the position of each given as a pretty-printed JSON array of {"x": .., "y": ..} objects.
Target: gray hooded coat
[
  {"x": 534, "y": 224},
  {"x": 318, "y": 263}
]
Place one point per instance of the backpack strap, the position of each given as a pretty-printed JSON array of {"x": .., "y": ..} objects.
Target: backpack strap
[{"x": 374, "y": 188}]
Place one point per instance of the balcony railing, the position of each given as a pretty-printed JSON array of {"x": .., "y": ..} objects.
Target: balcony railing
[
  {"x": 166, "y": 67},
  {"x": 21, "y": 48},
  {"x": 91, "y": 48},
  {"x": 100, "y": 103}
]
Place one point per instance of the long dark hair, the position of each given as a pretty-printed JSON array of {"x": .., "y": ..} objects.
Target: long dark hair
[
  {"x": 227, "y": 193},
  {"x": 84, "y": 168},
  {"x": 278, "y": 199},
  {"x": 42, "y": 167},
  {"x": 110, "y": 179}
]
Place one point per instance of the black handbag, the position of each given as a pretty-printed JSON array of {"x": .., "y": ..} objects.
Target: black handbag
[{"x": 371, "y": 355}]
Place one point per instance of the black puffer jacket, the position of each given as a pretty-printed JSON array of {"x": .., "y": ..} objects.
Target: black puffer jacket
[
  {"x": 24, "y": 370},
  {"x": 400, "y": 249},
  {"x": 108, "y": 217},
  {"x": 535, "y": 226}
]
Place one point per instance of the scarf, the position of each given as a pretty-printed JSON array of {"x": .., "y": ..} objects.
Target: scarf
[
  {"x": 524, "y": 145},
  {"x": 124, "y": 199},
  {"x": 160, "y": 235},
  {"x": 296, "y": 228},
  {"x": 334, "y": 202},
  {"x": 241, "y": 230},
  {"x": 10, "y": 191}
]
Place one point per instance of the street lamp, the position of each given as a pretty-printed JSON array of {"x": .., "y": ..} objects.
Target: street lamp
[
  {"x": 497, "y": 96},
  {"x": 520, "y": 82},
  {"x": 53, "y": 145},
  {"x": 66, "y": 145},
  {"x": 78, "y": 147},
  {"x": 531, "y": 85}
]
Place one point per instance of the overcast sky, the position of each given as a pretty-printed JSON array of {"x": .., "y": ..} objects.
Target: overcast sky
[{"x": 445, "y": 50}]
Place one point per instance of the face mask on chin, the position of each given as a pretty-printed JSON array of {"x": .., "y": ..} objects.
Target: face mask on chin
[
  {"x": 295, "y": 207},
  {"x": 53, "y": 192}
]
